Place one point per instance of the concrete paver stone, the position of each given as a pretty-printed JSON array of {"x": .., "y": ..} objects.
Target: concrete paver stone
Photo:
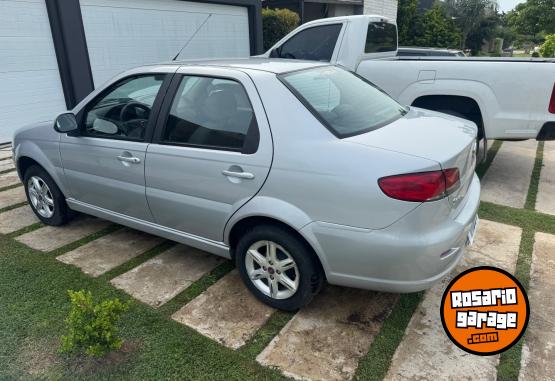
[
  {"x": 538, "y": 351},
  {"x": 18, "y": 218},
  {"x": 545, "y": 201},
  {"x": 507, "y": 180},
  {"x": 108, "y": 252},
  {"x": 226, "y": 312},
  {"x": 53, "y": 237},
  {"x": 12, "y": 196},
  {"x": 163, "y": 277},
  {"x": 326, "y": 339}
]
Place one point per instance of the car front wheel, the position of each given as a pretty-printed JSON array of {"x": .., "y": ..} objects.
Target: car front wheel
[
  {"x": 45, "y": 198},
  {"x": 278, "y": 267}
]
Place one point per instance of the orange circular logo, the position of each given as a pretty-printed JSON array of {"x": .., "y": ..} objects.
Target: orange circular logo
[{"x": 484, "y": 310}]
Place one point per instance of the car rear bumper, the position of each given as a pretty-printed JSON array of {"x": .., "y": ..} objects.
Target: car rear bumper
[{"x": 410, "y": 255}]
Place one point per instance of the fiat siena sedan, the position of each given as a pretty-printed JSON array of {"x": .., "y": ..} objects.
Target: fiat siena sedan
[{"x": 300, "y": 172}]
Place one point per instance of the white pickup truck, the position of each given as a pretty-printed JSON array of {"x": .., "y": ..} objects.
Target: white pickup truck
[{"x": 511, "y": 99}]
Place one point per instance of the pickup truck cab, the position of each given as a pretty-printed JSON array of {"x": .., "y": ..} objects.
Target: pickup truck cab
[{"x": 507, "y": 98}]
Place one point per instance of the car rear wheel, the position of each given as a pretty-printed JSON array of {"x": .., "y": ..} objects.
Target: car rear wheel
[
  {"x": 45, "y": 198},
  {"x": 278, "y": 267}
]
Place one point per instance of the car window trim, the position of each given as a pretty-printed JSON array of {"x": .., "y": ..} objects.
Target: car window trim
[
  {"x": 166, "y": 106},
  {"x": 154, "y": 112}
]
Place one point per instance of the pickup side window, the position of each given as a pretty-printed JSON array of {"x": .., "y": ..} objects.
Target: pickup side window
[
  {"x": 315, "y": 44},
  {"x": 381, "y": 37}
]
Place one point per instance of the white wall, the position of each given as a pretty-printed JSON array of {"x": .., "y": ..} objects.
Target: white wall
[
  {"x": 386, "y": 8},
  {"x": 122, "y": 34},
  {"x": 30, "y": 86}
]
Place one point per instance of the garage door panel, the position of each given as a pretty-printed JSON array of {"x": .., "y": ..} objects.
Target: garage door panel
[
  {"x": 29, "y": 76},
  {"x": 124, "y": 34}
]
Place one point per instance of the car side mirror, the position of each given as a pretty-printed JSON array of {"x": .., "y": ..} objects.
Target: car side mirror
[{"x": 65, "y": 123}]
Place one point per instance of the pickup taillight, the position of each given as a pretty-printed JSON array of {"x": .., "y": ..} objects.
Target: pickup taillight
[{"x": 552, "y": 101}]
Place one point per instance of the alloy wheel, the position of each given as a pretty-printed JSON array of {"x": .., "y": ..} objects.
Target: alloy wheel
[
  {"x": 40, "y": 196},
  {"x": 272, "y": 270}
]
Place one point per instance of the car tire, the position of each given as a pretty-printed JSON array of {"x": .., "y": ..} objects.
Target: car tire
[
  {"x": 293, "y": 268},
  {"x": 45, "y": 198}
]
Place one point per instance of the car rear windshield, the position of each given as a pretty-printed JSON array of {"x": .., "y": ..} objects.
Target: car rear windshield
[{"x": 344, "y": 102}]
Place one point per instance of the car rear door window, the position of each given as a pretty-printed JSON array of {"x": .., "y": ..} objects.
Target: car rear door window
[
  {"x": 123, "y": 111},
  {"x": 210, "y": 113},
  {"x": 315, "y": 44}
]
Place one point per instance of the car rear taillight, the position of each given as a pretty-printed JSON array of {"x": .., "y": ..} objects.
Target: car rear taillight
[
  {"x": 552, "y": 101},
  {"x": 421, "y": 186}
]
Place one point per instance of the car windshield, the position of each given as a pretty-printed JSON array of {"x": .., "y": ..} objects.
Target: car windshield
[{"x": 344, "y": 102}]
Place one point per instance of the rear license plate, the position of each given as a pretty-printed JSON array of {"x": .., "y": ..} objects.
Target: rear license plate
[{"x": 472, "y": 232}]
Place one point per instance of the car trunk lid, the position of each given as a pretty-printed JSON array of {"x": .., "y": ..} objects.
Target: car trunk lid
[{"x": 448, "y": 140}]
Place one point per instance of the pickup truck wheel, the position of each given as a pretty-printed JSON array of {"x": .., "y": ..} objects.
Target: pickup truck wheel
[
  {"x": 278, "y": 268},
  {"x": 45, "y": 198}
]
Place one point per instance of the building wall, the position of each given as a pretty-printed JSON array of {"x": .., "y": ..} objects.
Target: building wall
[{"x": 387, "y": 8}]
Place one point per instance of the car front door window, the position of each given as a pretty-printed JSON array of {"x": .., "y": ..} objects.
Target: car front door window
[{"x": 123, "y": 111}]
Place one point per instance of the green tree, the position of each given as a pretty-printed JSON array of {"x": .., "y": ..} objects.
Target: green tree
[
  {"x": 436, "y": 30},
  {"x": 485, "y": 31},
  {"x": 533, "y": 17},
  {"x": 470, "y": 16},
  {"x": 548, "y": 47},
  {"x": 276, "y": 23},
  {"x": 408, "y": 21}
]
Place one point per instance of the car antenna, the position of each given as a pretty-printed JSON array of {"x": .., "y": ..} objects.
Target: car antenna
[{"x": 193, "y": 36}]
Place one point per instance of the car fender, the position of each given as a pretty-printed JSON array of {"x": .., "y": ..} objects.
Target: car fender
[
  {"x": 51, "y": 162},
  {"x": 289, "y": 214}
]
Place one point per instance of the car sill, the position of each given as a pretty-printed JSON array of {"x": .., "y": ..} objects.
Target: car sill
[{"x": 214, "y": 247}]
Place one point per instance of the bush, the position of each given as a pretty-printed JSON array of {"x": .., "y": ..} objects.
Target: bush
[
  {"x": 548, "y": 47},
  {"x": 535, "y": 54},
  {"x": 92, "y": 328},
  {"x": 276, "y": 23}
]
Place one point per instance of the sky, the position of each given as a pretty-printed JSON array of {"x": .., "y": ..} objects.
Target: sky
[{"x": 507, "y": 5}]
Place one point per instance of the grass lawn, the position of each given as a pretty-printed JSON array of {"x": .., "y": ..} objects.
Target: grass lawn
[{"x": 34, "y": 304}]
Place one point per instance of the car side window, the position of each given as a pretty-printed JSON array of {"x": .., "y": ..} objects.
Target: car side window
[
  {"x": 122, "y": 112},
  {"x": 212, "y": 113},
  {"x": 315, "y": 44}
]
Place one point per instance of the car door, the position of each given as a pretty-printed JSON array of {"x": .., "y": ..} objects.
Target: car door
[
  {"x": 211, "y": 153},
  {"x": 104, "y": 162}
]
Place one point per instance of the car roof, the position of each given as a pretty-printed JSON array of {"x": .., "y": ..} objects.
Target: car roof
[{"x": 272, "y": 65}]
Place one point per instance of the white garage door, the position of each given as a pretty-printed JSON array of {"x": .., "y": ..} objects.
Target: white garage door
[
  {"x": 30, "y": 87},
  {"x": 122, "y": 34}
]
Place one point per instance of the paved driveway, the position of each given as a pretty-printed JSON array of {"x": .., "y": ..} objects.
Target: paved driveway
[{"x": 330, "y": 338}]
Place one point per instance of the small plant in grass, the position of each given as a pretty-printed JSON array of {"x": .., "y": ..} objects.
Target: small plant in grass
[{"x": 92, "y": 328}]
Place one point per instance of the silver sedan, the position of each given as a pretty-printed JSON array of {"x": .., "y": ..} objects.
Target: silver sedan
[{"x": 300, "y": 172}]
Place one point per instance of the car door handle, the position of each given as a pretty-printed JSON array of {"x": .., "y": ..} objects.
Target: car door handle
[
  {"x": 129, "y": 159},
  {"x": 239, "y": 175}
]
